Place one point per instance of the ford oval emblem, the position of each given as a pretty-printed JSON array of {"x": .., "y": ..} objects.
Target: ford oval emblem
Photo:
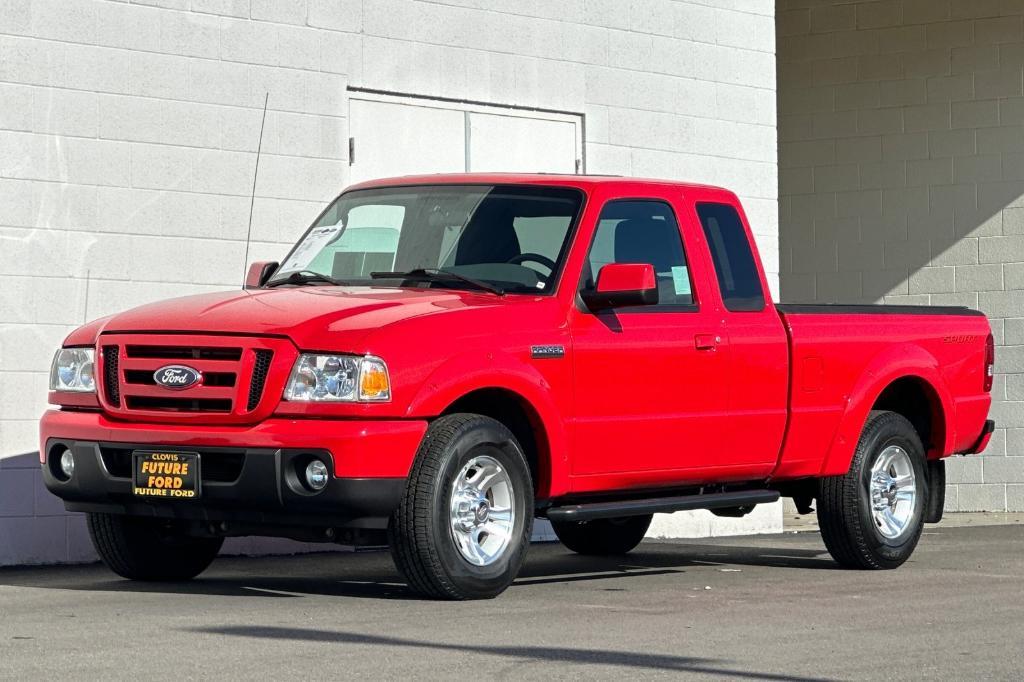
[{"x": 177, "y": 377}]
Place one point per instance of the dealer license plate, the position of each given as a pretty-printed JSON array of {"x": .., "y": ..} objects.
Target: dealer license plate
[{"x": 166, "y": 474}]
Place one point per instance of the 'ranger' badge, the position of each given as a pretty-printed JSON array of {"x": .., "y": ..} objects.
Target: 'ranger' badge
[{"x": 547, "y": 351}]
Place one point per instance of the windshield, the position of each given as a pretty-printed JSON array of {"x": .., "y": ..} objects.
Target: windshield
[{"x": 510, "y": 236}]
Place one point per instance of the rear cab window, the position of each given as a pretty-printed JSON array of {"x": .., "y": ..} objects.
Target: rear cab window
[{"x": 738, "y": 278}]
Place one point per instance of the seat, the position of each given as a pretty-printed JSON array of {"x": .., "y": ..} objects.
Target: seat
[
  {"x": 489, "y": 237},
  {"x": 645, "y": 240}
]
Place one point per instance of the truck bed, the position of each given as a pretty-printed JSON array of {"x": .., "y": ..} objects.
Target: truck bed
[{"x": 844, "y": 356}]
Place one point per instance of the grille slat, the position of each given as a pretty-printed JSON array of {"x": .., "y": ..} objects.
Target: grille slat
[
  {"x": 143, "y": 402},
  {"x": 184, "y": 352},
  {"x": 110, "y": 378},
  {"x": 260, "y": 369},
  {"x": 144, "y": 377}
]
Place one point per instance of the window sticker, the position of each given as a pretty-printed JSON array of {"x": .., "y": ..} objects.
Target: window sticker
[
  {"x": 681, "y": 280},
  {"x": 312, "y": 245}
]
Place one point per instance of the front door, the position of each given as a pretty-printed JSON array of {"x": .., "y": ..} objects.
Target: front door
[{"x": 651, "y": 381}]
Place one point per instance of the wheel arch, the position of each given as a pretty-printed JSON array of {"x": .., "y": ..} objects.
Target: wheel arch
[
  {"x": 914, "y": 398},
  {"x": 514, "y": 393},
  {"x": 521, "y": 418},
  {"x": 904, "y": 379}
]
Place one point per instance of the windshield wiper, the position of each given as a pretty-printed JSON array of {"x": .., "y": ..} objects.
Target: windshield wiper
[
  {"x": 434, "y": 274},
  {"x": 305, "y": 277}
]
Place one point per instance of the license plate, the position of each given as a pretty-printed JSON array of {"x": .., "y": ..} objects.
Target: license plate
[{"x": 166, "y": 474}]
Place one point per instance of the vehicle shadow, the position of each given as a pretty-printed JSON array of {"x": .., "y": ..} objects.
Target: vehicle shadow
[
  {"x": 372, "y": 575},
  {"x": 599, "y": 657}
]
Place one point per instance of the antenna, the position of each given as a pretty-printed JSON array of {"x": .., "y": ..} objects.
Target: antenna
[
  {"x": 85, "y": 308},
  {"x": 255, "y": 174}
]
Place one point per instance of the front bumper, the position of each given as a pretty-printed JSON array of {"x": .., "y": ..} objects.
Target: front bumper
[{"x": 249, "y": 474}]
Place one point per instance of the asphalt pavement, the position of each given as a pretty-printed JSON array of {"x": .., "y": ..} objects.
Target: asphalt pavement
[{"x": 764, "y": 607}]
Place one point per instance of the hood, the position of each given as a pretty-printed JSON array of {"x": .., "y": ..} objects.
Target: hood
[{"x": 309, "y": 315}]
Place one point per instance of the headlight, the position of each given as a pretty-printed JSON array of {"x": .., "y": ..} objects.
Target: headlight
[
  {"x": 73, "y": 369},
  {"x": 338, "y": 378}
]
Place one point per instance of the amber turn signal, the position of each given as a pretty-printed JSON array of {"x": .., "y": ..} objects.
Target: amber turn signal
[{"x": 374, "y": 383}]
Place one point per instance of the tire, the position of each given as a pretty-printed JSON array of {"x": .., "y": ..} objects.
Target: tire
[
  {"x": 603, "y": 537},
  {"x": 449, "y": 555},
  {"x": 149, "y": 549},
  {"x": 858, "y": 535}
]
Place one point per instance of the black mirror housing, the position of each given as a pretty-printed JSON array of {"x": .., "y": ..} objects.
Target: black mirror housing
[{"x": 597, "y": 301}]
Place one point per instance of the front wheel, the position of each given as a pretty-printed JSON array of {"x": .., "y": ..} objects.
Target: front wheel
[
  {"x": 872, "y": 516},
  {"x": 149, "y": 549},
  {"x": 603, "y": 537},
  {"x": 463, "y": 526}
]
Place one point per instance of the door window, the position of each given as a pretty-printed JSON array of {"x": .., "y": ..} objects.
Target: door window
[{"x": 643, "y": 231}]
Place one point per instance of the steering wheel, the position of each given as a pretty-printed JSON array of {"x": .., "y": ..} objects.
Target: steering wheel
[{"x": 534, "y": 257}]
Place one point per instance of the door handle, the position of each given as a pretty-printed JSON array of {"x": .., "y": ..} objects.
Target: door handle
[{"x": 706, "y": 341}]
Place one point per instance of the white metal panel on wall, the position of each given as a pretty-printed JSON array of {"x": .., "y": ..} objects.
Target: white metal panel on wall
[
  {"x": 390, "y": 138},
  {"x": 394, "y": 135},
  {"x": 511, "y": 143}
]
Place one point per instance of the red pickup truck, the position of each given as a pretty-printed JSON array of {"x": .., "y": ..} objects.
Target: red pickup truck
[{"x": 441, "y": 359}]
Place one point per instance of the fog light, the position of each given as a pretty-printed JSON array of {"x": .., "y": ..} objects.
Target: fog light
[
  {"x": 67, "y": 463},
  {"x": 316, "y": 475}
]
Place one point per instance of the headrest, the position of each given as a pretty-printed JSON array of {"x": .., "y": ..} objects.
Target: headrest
[
  {"x": 489, "y": 237},
  {"x": 645, "y": 240}
]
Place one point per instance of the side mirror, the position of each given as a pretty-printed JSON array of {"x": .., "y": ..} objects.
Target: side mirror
[
  {"x": 623, "y": 284},
  {"x": 259, "y": 273}
]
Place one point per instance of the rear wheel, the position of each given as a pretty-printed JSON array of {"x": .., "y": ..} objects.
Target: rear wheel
[
  {"x": 149, "y": 549},
  {"x": 603, "y": 536},
  {"x": 872, "y": 516},
  {"x": 463, "y": 526}
]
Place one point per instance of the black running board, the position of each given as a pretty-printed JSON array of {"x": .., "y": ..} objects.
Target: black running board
[{"x": 660, "y": 505}]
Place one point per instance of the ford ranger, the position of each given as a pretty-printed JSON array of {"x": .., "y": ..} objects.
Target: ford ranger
[{"x": 441, "y": 359}]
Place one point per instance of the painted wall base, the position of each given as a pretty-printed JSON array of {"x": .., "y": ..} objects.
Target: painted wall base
[{"x": 766, "y": 518}]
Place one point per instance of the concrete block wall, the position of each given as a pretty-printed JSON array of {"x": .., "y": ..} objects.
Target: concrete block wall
[
  {"x": 34, "y": 528},
  {"x": 128, "y": 130},
  {"x": 901, "y": 164}
]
